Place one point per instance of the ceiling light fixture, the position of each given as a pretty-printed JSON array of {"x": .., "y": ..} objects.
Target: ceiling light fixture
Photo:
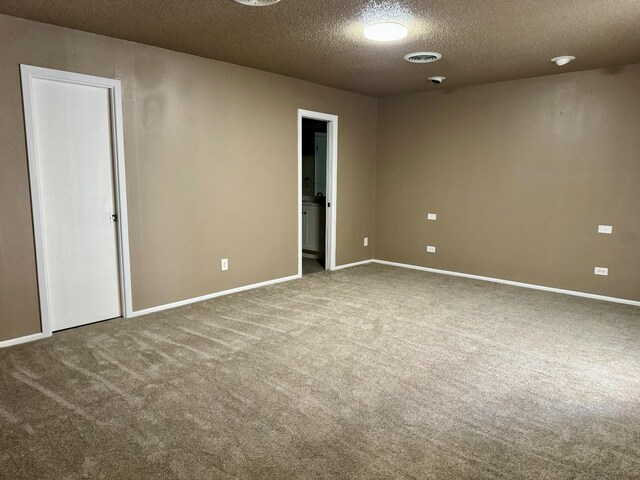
[
  {"x": 563, "y": 60},
  {"x": 257, "y": 3},
  {"x": 385, "y": 31}
]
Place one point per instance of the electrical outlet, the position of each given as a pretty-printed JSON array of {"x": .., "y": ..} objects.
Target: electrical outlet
[
  {"x": 224, "y": 264},
  {"x": 601, "y": 271},
  {"x": 366, "y": 241},
  {"x": 432, "y": 216},
  {"x": 431, "y": 249},
  {"x": 608, "y": 229}
]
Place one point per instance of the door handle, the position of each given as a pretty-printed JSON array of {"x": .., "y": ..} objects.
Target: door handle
[{"x": 114, "y": 218}]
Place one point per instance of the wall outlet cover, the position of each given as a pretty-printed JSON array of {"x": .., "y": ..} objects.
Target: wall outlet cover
[
  {"x": 432, "y": 216},
  {"x": 431, "y": 249},
  {"x": 224, "y": 264},
  {"x": 601, "y": 271},
  {"x": 608, "y": 229}
]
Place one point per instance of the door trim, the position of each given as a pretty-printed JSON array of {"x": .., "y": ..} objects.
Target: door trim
[
  {"x": 332, "y": 185},
  {"x": 28, "y": 73}
]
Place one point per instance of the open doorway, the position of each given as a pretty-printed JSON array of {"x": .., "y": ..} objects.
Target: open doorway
[{"x": 317, "y": 160}]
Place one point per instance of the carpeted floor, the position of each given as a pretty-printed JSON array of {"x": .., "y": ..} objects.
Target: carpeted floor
[{"x": 366, "y": 373}]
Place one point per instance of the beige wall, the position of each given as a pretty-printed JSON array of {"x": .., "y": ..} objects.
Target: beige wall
[
  {"x": 193, "y": 131},
  {"x": 520, "y": 174}
]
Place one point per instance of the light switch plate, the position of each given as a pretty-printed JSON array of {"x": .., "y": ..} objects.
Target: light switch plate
[
  {"x": 601, "y": 271},
  {"x": 605, "y": 229},
  {"x": 366, "y": 241},
  {"x": 432, "y": 216},
  {"x": 224, "y": 264},
  {"x": 431, "y": 249}
]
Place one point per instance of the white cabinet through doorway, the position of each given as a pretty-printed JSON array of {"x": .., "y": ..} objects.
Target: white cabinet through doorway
[{"x": 313, "y": 227}]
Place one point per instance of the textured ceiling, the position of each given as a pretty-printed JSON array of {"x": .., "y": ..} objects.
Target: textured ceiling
[{"x": 322, "y": 41}]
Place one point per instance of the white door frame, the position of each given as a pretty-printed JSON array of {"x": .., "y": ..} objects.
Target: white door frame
[
  {"x": 332, "y": 185},
  {"x": 28, "y": 73}
]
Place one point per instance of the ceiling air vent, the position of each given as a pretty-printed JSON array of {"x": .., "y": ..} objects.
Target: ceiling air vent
[
  {"x": 422, "y": 57},
  {"x": 257, "y": 3}
]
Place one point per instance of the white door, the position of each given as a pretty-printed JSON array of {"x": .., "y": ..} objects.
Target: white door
[
  {"x": 320, "y": 173},
  {"x": 305, "y": 242},
  {"x": 73, "y": 139}
]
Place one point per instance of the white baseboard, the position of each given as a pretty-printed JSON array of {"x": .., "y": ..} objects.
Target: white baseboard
[
  {"x": 511, "y": 282},
  {"x": 354, "y": 264},
  {"x": 146, "y": 311},
  {"x": 19, "y": 340},
  {"x": 188, "y": 301}
]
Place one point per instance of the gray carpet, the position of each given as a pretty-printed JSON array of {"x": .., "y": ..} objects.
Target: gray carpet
[{"x": 365, "y": 373}]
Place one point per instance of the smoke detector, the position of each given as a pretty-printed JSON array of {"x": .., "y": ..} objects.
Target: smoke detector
[
  {"x": 422, "y": 57},
  {"x": 563, "y": 60},
  {"x": 257, "y": 3},
  {"x": 437, "y": 79}
]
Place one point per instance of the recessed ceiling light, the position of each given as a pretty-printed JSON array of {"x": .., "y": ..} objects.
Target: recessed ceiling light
[
  {"x": 422, "y": 57},
  {"x": 563, "y": 60},
  {"x": 385, "y": 31},
  {"x": 257, "y": 3},
  {"x": 438, "y": 79}
]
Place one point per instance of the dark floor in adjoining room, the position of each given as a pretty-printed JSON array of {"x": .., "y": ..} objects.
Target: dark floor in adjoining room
[
  {"x": 312, "y": 265},
  {"x": 368, "y": 372}
]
